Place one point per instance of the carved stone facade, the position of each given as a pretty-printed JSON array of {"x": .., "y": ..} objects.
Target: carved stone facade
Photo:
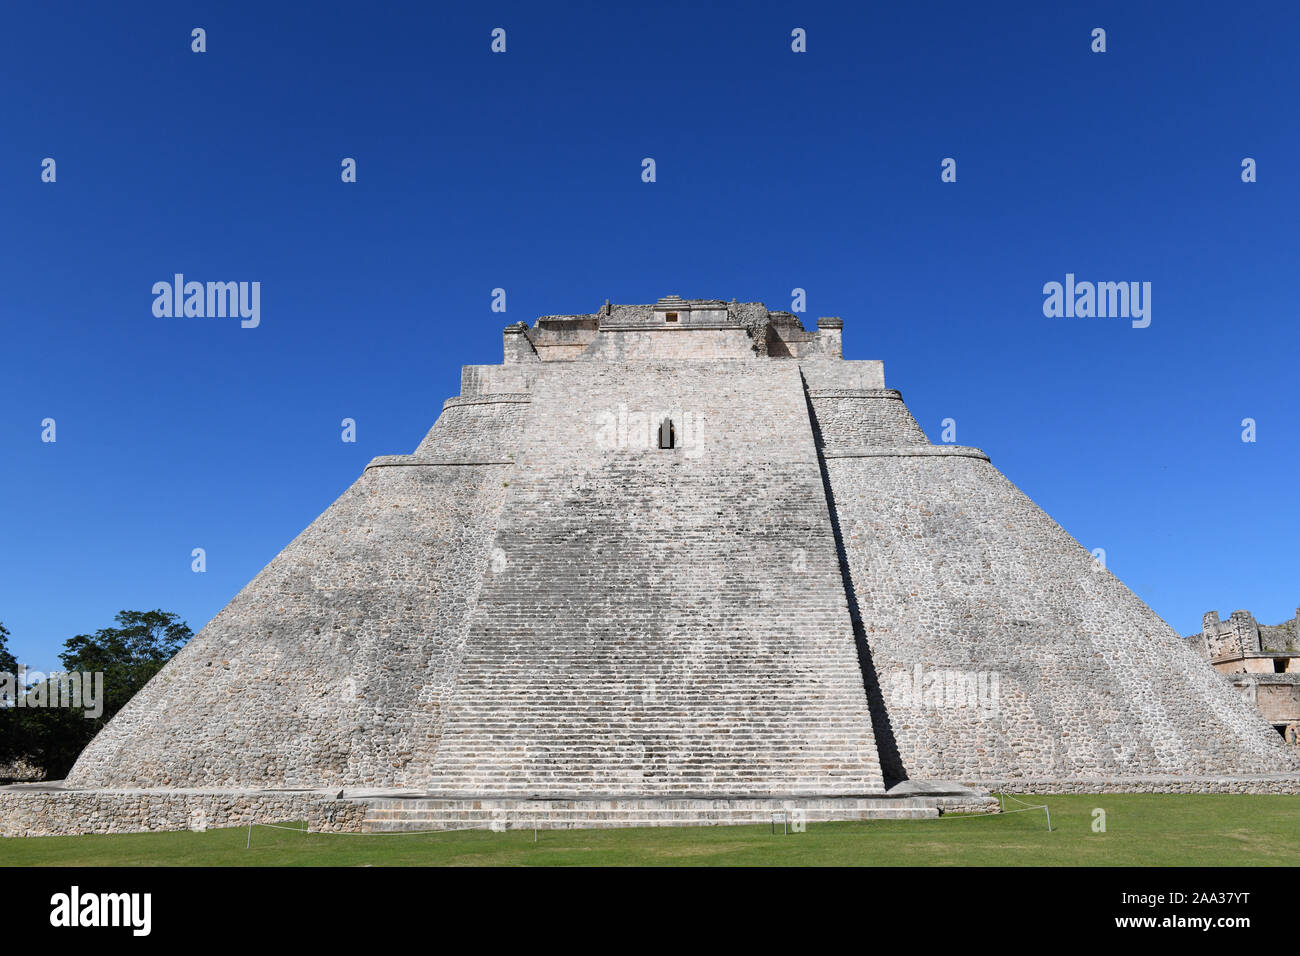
[{"x": 1262, "y": 661}]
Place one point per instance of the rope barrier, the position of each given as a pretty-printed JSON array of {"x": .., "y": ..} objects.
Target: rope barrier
[
  {"x": 1012, "y": 796},
  {"x": 1004, "y": 811},
  {"x": 1027, "y": 806},
  {"x": 988, "y": 816}
]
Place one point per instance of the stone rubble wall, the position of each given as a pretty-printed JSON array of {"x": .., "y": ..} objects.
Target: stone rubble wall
[
  {"x": 1264, "y": 783},
  {"x": 1281, "y": 638},
  {"x": 74, "y": 812},
  {"x": 20, "y": 771}
]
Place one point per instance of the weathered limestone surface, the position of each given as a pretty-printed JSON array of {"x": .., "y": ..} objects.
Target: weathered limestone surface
[
  {"x": 802, "y": 598},
  {"x": 664, "y": 621},
  {"x": 486, "y": 425},
  {"x": 331, "y": 666},
  {"x": 955, "y": 571},
  {"x": 854, "y": 418}
]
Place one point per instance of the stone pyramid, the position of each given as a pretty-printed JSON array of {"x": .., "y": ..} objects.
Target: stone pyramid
[{"x": 683, "y": 549}]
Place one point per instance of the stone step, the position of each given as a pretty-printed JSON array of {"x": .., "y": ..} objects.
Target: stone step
[
  {"x": 414, "y": 814},
  {"x": 657, "y": 629}
]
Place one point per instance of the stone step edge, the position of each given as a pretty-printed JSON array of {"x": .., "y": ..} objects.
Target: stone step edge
[
  {"x": 904, "y": 451},
  {"x": 548, "y": 815},
  {"x": 598, "y": 824}
]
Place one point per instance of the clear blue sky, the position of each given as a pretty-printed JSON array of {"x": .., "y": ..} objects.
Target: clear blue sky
[{"x": 522, "y": 170}]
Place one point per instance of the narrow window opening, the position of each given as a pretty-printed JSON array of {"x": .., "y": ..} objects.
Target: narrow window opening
[
  {"x": 1279, "y": 665},
  {"x": 667, "y": 434},
  {"x": 671, "y": 316}
]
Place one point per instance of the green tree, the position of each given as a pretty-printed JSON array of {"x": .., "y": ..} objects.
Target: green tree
[
  {"x": 11, "y": 737},
  {"x": 128, "y": 655},
  {"x": 8, "y": 663}
]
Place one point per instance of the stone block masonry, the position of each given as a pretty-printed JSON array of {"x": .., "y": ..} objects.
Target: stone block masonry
[
  {"x": 956, "y": 571},
  {"x": 34, "y": 811},
  {"x": 331, "y": 667},
  {"x": 667, "y": 621},
  {"x": 680, "y": 558}
]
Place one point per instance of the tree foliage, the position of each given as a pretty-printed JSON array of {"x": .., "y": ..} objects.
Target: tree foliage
[
  {"x": 8, "y": 665},
  {"x": 9, "y": 740},
  {"x": 127, "y": 655}
]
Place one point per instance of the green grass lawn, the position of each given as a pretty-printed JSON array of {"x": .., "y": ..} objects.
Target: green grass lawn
[{"x": 1141, "y": 830}]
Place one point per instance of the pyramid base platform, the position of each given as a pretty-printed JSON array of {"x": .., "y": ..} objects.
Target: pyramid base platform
[{"x": 50, "y": 809}]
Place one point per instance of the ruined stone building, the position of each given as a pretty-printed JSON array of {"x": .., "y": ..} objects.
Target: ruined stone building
[
  {"x": 683, "y": 558},
  {"x": 1262, "y": 661}
]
